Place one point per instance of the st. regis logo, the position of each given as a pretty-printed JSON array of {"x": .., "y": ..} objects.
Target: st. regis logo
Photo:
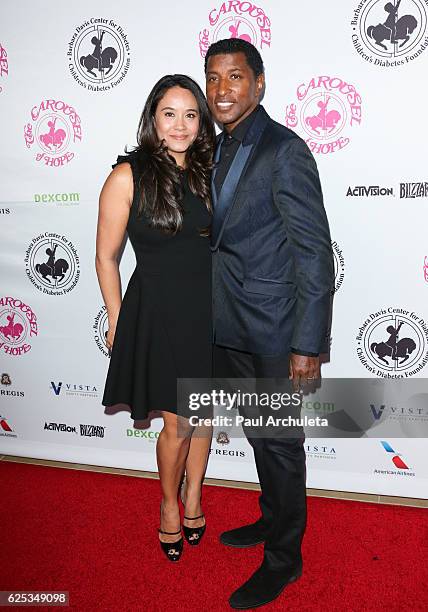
[
  {"x": 4, "y": 66},
  {"x": 18, "y": 326},
  {"x": 327, "y": 108},
  {"x": 52, "y": 264},
  {"x": 393, "y": 343},
  {"x": 99, "y": 54},
  {"x": 54, "y": 131},
  {"x": 390, "y": 34},
  {"x": 235, "y": 19}
]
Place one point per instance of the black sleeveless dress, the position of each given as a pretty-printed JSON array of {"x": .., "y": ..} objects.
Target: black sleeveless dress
[{"x": 164, "y": 329}]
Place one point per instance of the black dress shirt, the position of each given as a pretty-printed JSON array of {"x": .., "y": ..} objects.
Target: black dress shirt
[{"x": 229, "y": 148}]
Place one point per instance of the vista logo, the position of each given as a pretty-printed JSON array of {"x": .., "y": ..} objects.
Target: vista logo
[
  {"x": 74, "y": 389},
  {"x": 56, "y": 388}
]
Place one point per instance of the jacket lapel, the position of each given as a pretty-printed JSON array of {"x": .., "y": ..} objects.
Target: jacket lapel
[{"x": 223, "y": 204}]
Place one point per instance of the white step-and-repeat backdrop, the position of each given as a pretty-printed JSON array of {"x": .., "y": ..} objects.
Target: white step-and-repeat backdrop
[{"x": 349, "y": 77}]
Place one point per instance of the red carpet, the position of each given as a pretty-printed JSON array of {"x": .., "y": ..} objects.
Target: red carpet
[{"x": 95, "y": 536}]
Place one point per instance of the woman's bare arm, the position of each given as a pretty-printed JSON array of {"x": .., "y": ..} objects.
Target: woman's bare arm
[{"x": 113, "y": 214}]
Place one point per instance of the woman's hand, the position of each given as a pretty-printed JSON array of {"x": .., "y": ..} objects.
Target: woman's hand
[{"x": 110, "y": 337}]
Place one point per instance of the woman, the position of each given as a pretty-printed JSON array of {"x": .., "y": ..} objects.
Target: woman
[{"x": 160, "y": 195}]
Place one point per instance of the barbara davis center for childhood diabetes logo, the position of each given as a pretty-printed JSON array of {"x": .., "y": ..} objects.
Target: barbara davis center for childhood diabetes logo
[
  {"x": 52, "y": 264},
  {"x": 393, "y": 343},
  {"x": 389, "y": 34},
  {"x": 99, "y": 54},
  {"x": 54, "y": 132},
  {"x": 235, "y": 19},
  {"x": 327, "y": 108}
]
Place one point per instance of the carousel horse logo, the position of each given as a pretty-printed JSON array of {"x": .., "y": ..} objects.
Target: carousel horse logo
[
  {"x": 396, "y": 350},
  {"x": 101, "y": 60},
  {"x": 99, "y": 54},
  {"x": 53, "y": 139},
  {"x": 393, "y": 343},
  {"x": 18, "y": 326},
  {"x": 52, "y": 264},
  {"x": 13, "y": 330},
  {"x": 238, "y": 19},
  {"x": 4, "y": 66},
  {"x": 54, "y": 131},
  {"x": 326, "y": 108},
  {"x": 392, "y": 33},
  {"x": 394, "y": 30}
]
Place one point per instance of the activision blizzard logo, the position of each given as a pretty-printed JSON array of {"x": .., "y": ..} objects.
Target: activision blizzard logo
[
  {"x": 326, "y": 107},
  {"x": 99, "y": 54},
  {"x": 57, "y": 129},
  {"x": 6, "y": 381},
  {"x": 236, "y": 19},
  {"x": 74, "y": 389},
  {"x": 414, "y": 190},
  {"x": 390, "y": 34},
  {"x": 320, "y": 451},
  {"x": 4, "y": 66},
  {"x": 6, "y": 430},
  {"x": 371, "y": 191},
  {"x": 52, "y": 264},
  {"x": 92, "y": 431},
  {"x": 18, "y": 325},
  {"x": 393, "y": 343},
  {"x": 407, "y": 190},
  {"x": 85, "y": 430},
  {"x": 60, "y": 427},
  {"x": 397, "y": 461},
  {"x": 100, "y": 328},
  {"x": 339, "y": 265}
]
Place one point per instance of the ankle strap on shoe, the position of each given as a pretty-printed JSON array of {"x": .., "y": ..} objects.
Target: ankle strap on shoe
[
  {"x": 169, "y": 532},
  {"x": 193, "y": 518}
]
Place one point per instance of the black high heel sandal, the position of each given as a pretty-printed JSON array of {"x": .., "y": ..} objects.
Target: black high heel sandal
[
  {"x": 193, "y": 534},
  {"x": 172, "y": 550}
]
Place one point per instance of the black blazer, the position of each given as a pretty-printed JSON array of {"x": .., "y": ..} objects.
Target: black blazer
[{"x": 273, "y": 271}]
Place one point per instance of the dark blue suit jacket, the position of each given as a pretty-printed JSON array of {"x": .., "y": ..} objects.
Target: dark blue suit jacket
[{"x": 273, "y": 271}]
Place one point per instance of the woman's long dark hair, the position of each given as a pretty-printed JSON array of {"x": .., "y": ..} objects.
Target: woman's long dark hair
[{"x": 161, "y": 187}]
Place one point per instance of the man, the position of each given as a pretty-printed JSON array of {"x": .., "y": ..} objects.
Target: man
[{"x": 273, "y": 278}]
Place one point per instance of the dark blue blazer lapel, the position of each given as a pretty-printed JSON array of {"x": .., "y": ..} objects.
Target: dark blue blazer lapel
[
  {"x": 214, "y": 172},
  {"x": 225, "y": 200}
]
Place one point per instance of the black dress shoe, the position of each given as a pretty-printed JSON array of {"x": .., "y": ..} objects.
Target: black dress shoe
[
  {"x": 172, "y": 550},
  {"x": 194, "y": 534},
  {"x": 244, "y": 537},
  {"x": 264, "y": 586}
]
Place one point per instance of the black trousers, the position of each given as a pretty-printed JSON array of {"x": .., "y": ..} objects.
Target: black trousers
[{"x": 280, "y": 463}]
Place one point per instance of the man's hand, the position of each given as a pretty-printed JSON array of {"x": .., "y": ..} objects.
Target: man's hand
[{"x": 303, "y": 368}]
